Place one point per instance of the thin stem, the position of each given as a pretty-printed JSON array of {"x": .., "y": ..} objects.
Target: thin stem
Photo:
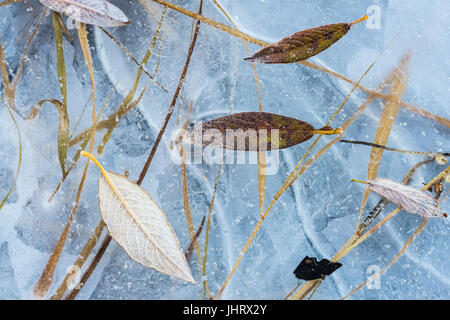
[
  {"x": 292, "y": 291},
  {"x": 90, "y": 268},
  {"x": 125, "y": 50},
  {"x": 416, "y": 153},
  {"x": 208, "y": 230},
  {"x": 360, "y": 181},
  {"x": 85, "y": 252},
  {"x": 6, "y": 2},
  {"x": 320, "y": 281},
  {"x": 184, "y": 182},
  {"x": 188, "y": 252},
  {"x": 174, "y": 100}
]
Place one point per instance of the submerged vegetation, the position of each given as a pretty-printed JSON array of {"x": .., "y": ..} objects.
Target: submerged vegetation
[{"x": 132, "y": 218}]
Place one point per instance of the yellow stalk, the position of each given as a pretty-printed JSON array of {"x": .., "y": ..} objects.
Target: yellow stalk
[
  {"x": 328, "y": 132},
  {"x": 90, "y": 156},
  {"x": 360, "y": 181},
  {"x": 359, "y": 20}
]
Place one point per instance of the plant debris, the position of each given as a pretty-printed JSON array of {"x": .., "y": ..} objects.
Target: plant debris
[
  {"x": 254, "y": 131},
  {"x": 97, "y": 12},
  {"x": 411, "y": 199},
  {"x": 311, "y": 269},
  {"x": 304, "y": 44},
  {"x": 139, "y": 225}
]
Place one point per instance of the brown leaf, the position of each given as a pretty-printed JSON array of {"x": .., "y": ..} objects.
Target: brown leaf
[
  {"x": 254, "y": 131},
  {"x": 97, "y": 12},
  {"x": 303, "y": 45}
]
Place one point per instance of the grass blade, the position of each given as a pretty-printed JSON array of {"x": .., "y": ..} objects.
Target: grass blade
[
  {"x": 6, "y": 2},
  {"x": 387, "y": 119},
  {"x": 63, "y": 129}
]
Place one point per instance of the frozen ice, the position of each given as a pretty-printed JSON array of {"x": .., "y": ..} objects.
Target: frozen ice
[{"x": 314, "y": 217}]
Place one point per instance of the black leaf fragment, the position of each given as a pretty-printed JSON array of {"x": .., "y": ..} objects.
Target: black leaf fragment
[{"x": 311, "y": 269}]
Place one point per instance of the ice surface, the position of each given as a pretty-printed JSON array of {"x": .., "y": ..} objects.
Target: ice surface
[{"x": 314, "y": 217}]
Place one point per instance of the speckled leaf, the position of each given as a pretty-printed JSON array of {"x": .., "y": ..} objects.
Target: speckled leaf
[
  {"x": 253, "y": 131},
  {"x": 302, "y": 45},
  {"x": 96, "y": 12}
]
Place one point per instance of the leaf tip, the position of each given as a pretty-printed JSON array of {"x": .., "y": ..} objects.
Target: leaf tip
[{"x": 191, "y": 280}]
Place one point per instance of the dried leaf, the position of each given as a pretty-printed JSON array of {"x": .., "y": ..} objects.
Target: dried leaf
[
  {"x": 303, "y": 45},
  {"x": 97, "y": 12},
  {"x": 63, "y": 129},
  {"x": 311, "y": 269},
  {"x": 411, "y": 199},
  {"x": 253, "y": 131},
  {"x": 136, "y": 222}
]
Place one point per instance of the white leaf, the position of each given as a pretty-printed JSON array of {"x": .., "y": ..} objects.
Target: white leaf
[
  {"x": 140, "y": 227},
  {"x": 411, "y": 199},
  {"x": 96, "y": 12}
]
